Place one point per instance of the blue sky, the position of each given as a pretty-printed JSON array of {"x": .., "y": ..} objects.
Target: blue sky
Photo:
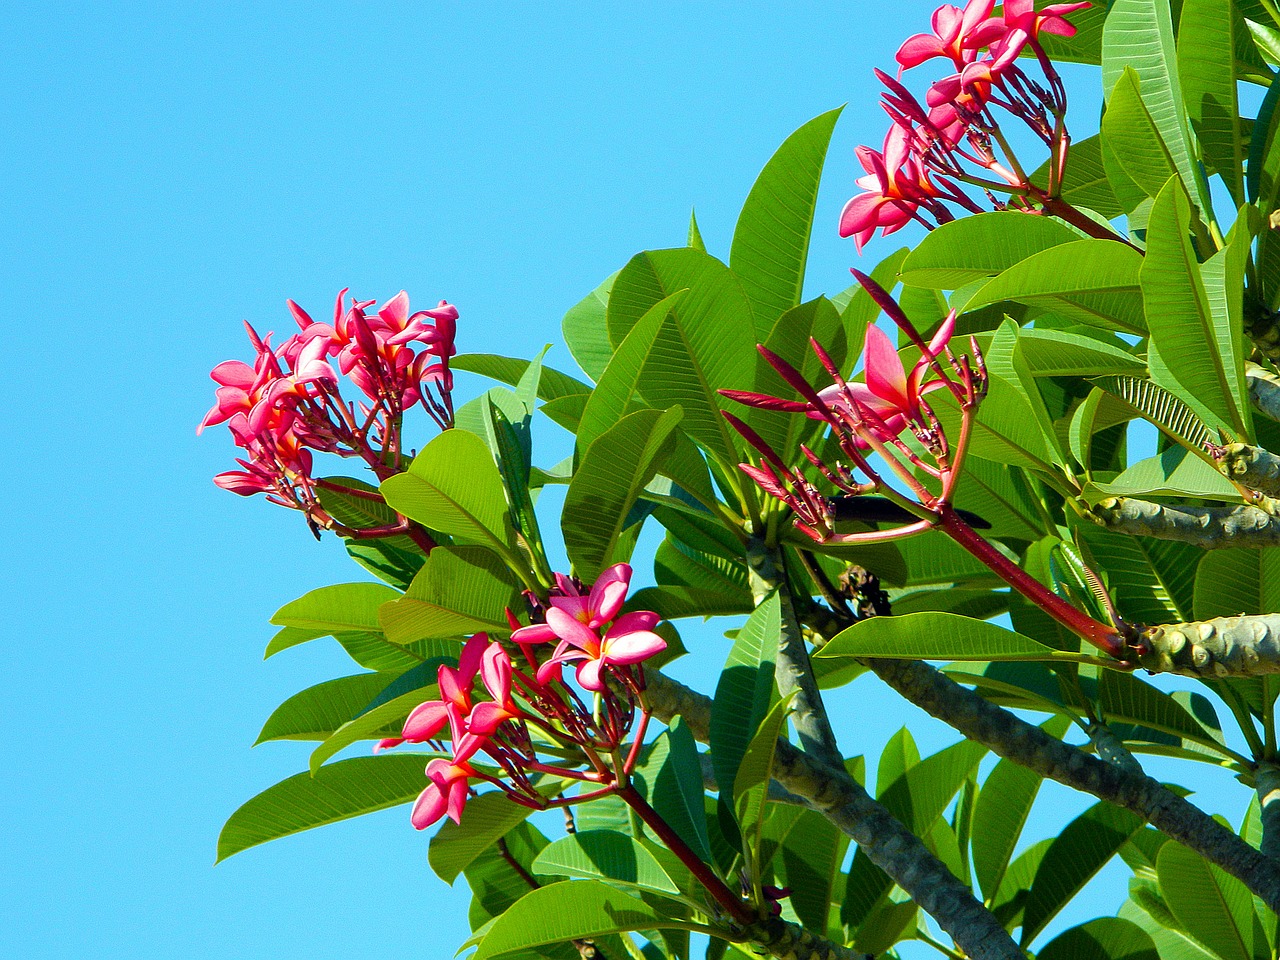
[{"x": 171, "y": 169}]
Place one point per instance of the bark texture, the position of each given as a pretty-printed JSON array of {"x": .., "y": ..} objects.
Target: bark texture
[
  {"x": 1251, "y": 467},
  {"x": 890, "y": 845},
  {"x": 1210, "y": 527},
  {"x": 1264, "y": 390},
  {"x": 1223, "y": 647}
]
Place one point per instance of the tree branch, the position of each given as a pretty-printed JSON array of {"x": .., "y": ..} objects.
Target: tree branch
[
  {"x": 1266, "y": 781},
  {"x": 1251, "y": 467},
  {"x": 1209, "y": 527},
  {"x": 1010, "y": 737},
  {"x": 889, "y": 844},
  {"x": 1264, "y": 390},
  {"x": 1245, "y": 646},
  {"x": 1111, "y": 748}
]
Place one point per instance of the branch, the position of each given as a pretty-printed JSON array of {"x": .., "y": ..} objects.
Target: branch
[
  {"x": 890, "y": 845},
  {"x": 790, "y": 941},
  {"x": 1209, "y": 527},
  {"x": 794, "y": 672},
  {"x": 1264, "y": 390},
  {"x": 1111, "y": 748},
  {"x": 1014, "y": 739},
  {"x": 1244, "y": 646},
  {"x": 1251, "y": 467}
]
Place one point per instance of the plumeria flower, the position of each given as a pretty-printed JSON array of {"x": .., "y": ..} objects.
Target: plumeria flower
[
  {"x": 895, "y": 184},
  {"x": 953, "y": 36},
  {"x": 890, "y": 392},
  {"x": 445, "y": 794},
  {"x": 630, "y": 640},
  {"x": 598, "y": 607}
]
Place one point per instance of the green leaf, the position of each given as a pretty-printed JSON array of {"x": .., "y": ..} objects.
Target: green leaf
[
  {"x": 1093, "y": 281},
  {"x": 572, "y": 910},
  {"x": 809, "y": 864},
  {"x": 1086, "y": 184},
  {"x": 771, "y": 239},
  {"x": 1212, "y": 906},
  {"x": 1175, "y": 473},
  {"x": 315, "y": 713},
  {"x": 604, "y": 855},
  {"x": 454, "y": 486},
  {"x": 745, "y": 689},
  {"x": 1008, "y": 368},
  {"x": 496, "y": 885},
  {"x": 1207, "y": 65},
  {"x": 348, "y": 788},
  {"x": 1107, "y": 938},
  {"x": 933, "y": 636},
  {"x": 612, "y": 473},
  {"x": 981, "y": 246},
  {"x": 1162, "y": 408},
  {"x": 751, "y": 786},
  {"x": 460, "y": 590},
  {"x": 1125, "y": 698},
  {"x": 552, "y": 385},
  {"x": 383, "y": 720},
  {"x": 488, "y": 817},
  {"x": 1138, "y": 36},
  {"x": 705, "y": 344},
  {"x": 1224, "y": 280},
  {"x": 1151, "y": 580},
  {"x": 673, "y": 774},
  {"x": 933, "y": 557},
  {"x": 1077, "y": 853},
  {"x": 1189, "y": 354},
  {"x": 1001, "y": 812},
  {"x": 1086, "y": 45},
  {"x": 341, "y": 607},
  {"x": 617, "y": 388},
  {"x": 1135, "y": 157},
  {"x": 1059, "y": 353},
  {"x": 585, "y": 332},
  {"x": 1234, "y": 582}
]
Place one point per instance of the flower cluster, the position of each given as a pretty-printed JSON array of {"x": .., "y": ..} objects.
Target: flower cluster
[
  {"x": 289, "y": 403},
  {"x": 872, "y": 416},
  {"x": 550, "y": 717},
  {"x": 932, "y": 148}
]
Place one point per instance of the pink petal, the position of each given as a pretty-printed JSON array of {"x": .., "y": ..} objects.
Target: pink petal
[
  {"x": 589, "y": 675},
  {"x": 571, "y": 630},
  {"x": 495, "y": 671},
  {"x": 975, "y": 11},
  {"x": 426, "y": 720},
  {"x": 636, "y": 620},
  {"x": 301, "y": 316},
  {"x": 859, "y": 214},
  {"x": 429, "y": 808},
  {"x": 885, "y": 375},
  {"x": 395, "y": 311},
  {"x": 575, "y": 606},
  {"x": 537, "y": 633},
  {"x": 946, "y": 22},
  {"x": 486, "y": 718},
  {"x": 472, "y": 654},
  {"x": 233, "y": 373},
  {"x": 457, "y": 798},
  {"x": 916, "y": 50},
  {"x": 608, "y": 593},
  {"x": 633, "y": 647},
  {"x": 387, "y": 744}
]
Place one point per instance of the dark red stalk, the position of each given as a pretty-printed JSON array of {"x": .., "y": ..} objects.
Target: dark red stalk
[
  {"x": 1103, "y": 636},
  {"x": 732, "y": 904}
]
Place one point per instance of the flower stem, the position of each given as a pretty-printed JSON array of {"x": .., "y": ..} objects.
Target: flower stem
[
  {"x": 732, "y": 904},
  {"x": 1103, "y": 636}
]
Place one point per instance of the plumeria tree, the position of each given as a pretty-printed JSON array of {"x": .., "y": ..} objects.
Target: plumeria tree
[{"x": 940, "y": 476}]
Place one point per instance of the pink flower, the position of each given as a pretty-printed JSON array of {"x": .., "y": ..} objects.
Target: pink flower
[
  {"x": 630, "y": 640},
  {"x": 953, "y": 36},
  {"x": 895, "y": 184},
  {"x": 890, "y": 392},
  {"x": 455, "y": 707},
  {"x": 607, "y": 595},
  {"x": 446, "y": 793}
]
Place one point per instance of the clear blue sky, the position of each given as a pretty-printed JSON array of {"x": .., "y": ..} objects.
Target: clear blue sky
[{"x": 170, "y": 169}]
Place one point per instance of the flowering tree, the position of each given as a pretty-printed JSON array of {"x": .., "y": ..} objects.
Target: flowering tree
[{"x": 962, "y": 511}]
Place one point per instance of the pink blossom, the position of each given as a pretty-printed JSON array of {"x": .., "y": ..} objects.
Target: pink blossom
[
  {"x": 895, "y": 185},
  {"x": 953, "y": 36},
  {"x": 446, "y": 793},
  {"x": 629, "y": 640},
  {"x": 601, "y": 605},
  {"x": 890, "y": 392}
]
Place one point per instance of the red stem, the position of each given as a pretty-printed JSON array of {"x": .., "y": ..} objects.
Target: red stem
[
  {"x": 734, "y": 905},
  {"x": 1103, "y": 636},
  {"x": 1065, "y": 211}
]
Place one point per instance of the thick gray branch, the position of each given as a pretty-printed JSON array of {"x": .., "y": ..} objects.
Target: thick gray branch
[
  {"x": 794, "y": 672},
  {"x": 1266, "y": 781},
  {"x": 1264, "y": 390},
  {"x": 1208, "y": 527},
  {"x": 1251, "y": 467},
  {"x": 890, "y": 845},
  {"x": 1111, "y": 748},
  {"x": 1013, "y": 738},
  {"x": 1223, "y": 647}
]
